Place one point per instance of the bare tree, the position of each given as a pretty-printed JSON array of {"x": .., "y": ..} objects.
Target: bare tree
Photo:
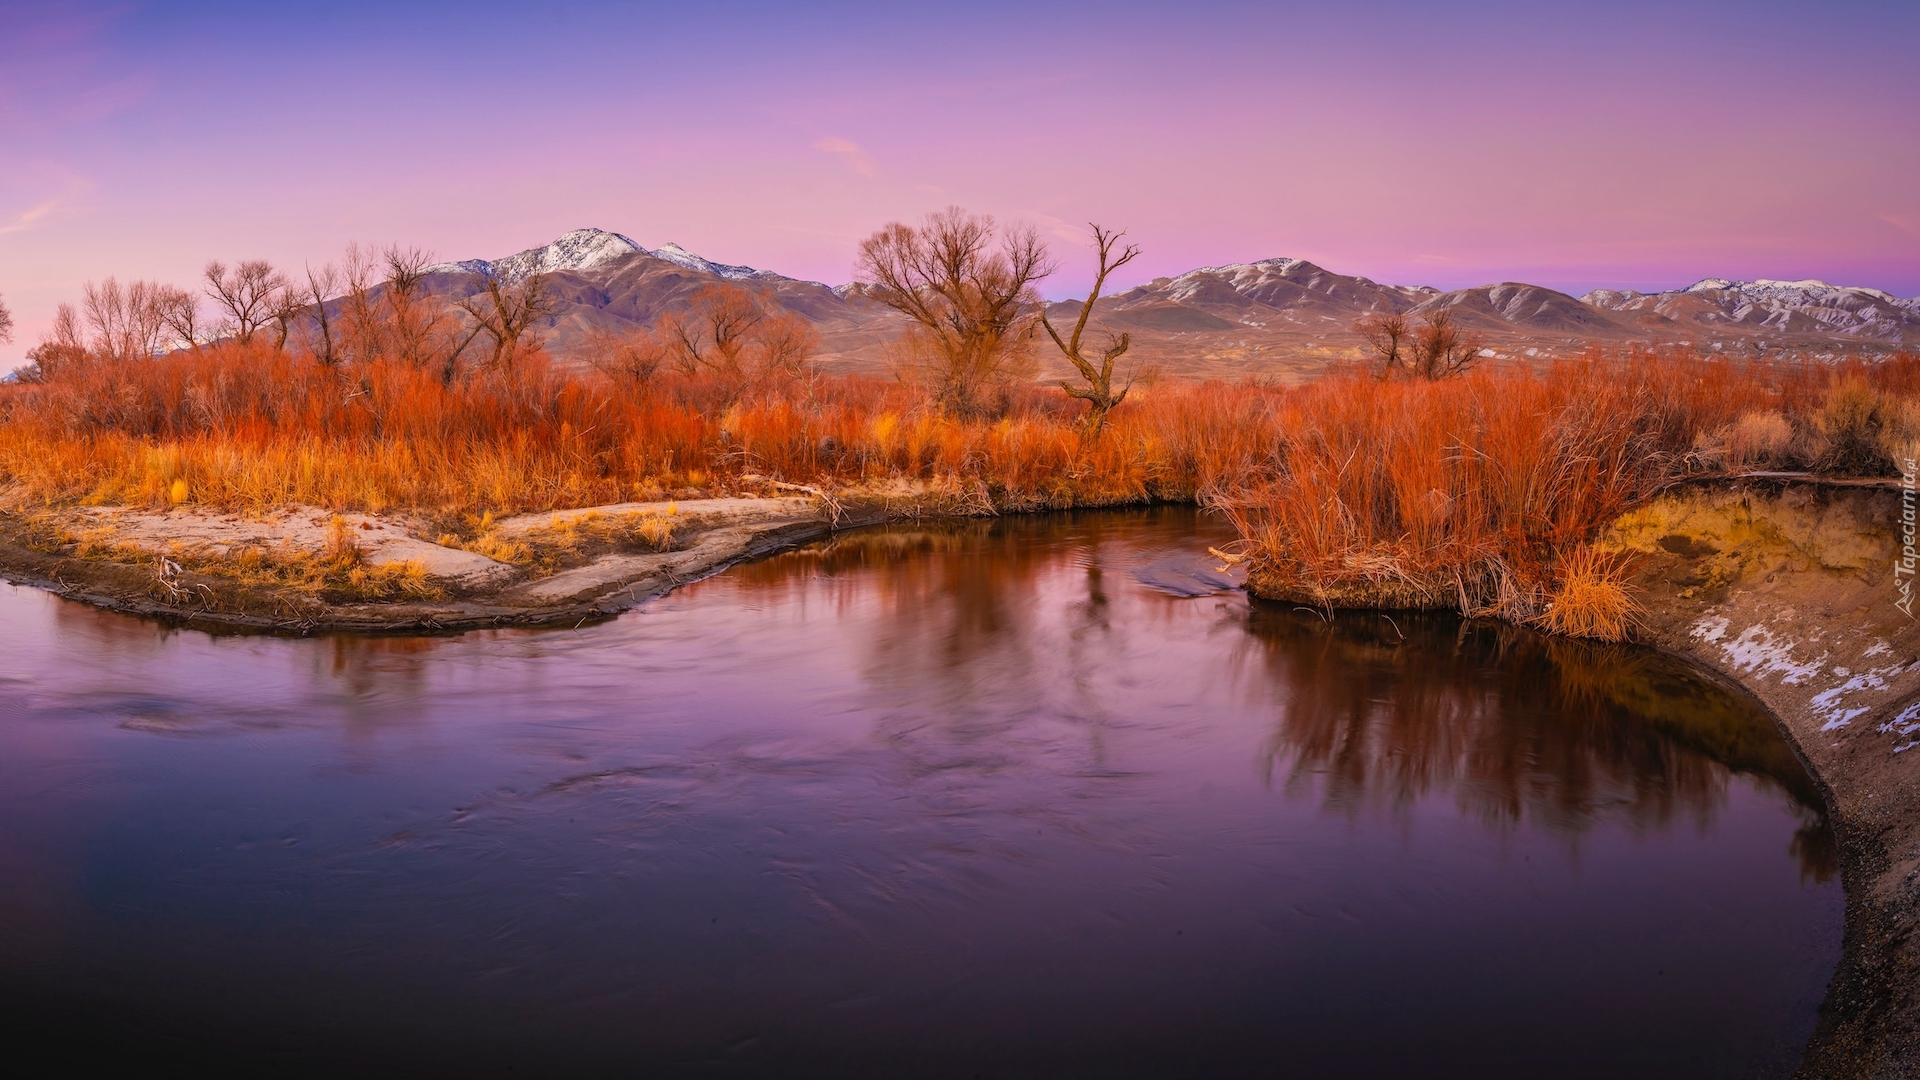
[
  {"x": 713, "y": 334},
  {"x": 417, "y": 322},
  {"x": 411, "y": 317},
  {"x": 632, "y": 358},
  {"x": 1386, "y": 333},
  {"x": 1441, "y": 349},
  {"x": 1097, "y": 387},
  {"x": 6, "y": 322},
  {"x": 736, "y": 335},
  {"x": 322, "y": 284},
  {"x": 363, "y": 331},
  {"x": 1436, "y": 349},
  {"x": 972, "y": 305},
  {"x": 285, "y": 310},
  {"x": 60, "y": 350},
  {"x": 127, "y": 323},
  {"x": 249, "y": 293},
  {"x": 180, "y": 314},
  {"x": 786, "y": 346},
  {"x": 508, "y": 312}
]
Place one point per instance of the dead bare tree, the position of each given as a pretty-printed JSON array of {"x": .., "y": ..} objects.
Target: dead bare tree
[
  {"x": 739, "y": 337},
  {"x": 322, "y": 284},
  {"x": 6, "y": 322},
  {"x": 1435, "y": 349},
  {"x": 973, "y": 306},
  {"x": 713, "y": 334},
  {"x": 1096, "y": 388},
  {"x": 180, "y": 313},
  {"x": 127, "y": 322},
  {"x": 632, "y": 358},
  {"x": 507, "y": 313},
  {"x": 1442, "y": 349},
  {"x": 1386, "y": 333},
  {"x": 248, "y": 293},
  {"x": 59, "y": 351}
]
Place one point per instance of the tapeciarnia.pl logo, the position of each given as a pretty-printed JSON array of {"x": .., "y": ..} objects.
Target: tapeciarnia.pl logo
[{"x": 1903, "y": 566}]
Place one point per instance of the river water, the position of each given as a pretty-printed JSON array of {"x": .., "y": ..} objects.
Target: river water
[{"x": 1038, "y": 796}]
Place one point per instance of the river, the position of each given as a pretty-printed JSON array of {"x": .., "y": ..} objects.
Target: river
[{"x": 1033, "y": 796}]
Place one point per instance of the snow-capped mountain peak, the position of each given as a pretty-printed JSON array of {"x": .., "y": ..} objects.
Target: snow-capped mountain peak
[
  {"x": 589, "y": 250},
  {"x": 579, "y": 251}
]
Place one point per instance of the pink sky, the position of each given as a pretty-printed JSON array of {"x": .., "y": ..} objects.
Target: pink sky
[{"x": 1441, "y": 144}]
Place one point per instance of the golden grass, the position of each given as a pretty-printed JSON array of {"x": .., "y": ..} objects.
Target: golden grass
[
  {"x": 1479, "y": 492},
  {"x": 1592, "y": 598}
]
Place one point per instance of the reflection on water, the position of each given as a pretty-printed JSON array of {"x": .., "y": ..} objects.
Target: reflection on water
[
  {"x": 1384, "y": 710},
  {"x": 1038, "y": 796}
]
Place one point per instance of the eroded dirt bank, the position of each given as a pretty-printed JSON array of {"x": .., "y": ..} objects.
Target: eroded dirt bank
[{"x": 1788, "y": 588}]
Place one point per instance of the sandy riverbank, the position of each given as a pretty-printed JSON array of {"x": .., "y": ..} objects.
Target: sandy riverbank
[{"x": 304, "y": 571}]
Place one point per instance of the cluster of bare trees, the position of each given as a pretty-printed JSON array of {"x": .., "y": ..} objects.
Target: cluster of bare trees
[
  {"x": 973, "y": 303},
  {"x": 970, "y": 291},
  {"x": 968, "y": 287},
  {"x": 727, "y": 332},
  {"x": 1437, "y": 348},
  {"x": 371, "y": 306}
]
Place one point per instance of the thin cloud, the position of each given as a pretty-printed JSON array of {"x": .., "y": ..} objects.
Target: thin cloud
[
  {"x": 848, "y": 151},
  {"x": 33, "y": 215}
]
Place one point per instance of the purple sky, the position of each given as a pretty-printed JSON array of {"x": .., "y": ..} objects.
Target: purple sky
[{"x": 1445, "y": 144}]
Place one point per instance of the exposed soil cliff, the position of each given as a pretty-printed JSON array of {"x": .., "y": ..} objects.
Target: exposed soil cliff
[{"x": 1788, "y": 588}]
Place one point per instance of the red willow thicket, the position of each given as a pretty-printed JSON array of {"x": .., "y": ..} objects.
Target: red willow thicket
[
  {"x": 1477, "y": 492},
  {"x": 1480, "y": 492},
  {"x": 248, "y": 426}
]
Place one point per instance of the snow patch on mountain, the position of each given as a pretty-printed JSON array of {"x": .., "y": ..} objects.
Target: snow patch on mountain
[
  {"x": 589, "y": 250},
  {"x": 1247, "y": 277},
  {"x": 579, "y": 251},
  {"x": 680, "y": 256},
  {"x": 1805, "y": 306}
]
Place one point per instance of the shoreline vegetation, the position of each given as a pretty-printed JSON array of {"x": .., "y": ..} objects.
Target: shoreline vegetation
[
  {"x": 1484, "y": 493},
  {"x": 347, "y": 460},
  {"x": 1429, "y": 476}
]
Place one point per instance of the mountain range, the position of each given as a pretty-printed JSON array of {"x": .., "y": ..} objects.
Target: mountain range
[{"x": 1283, "y": 318}]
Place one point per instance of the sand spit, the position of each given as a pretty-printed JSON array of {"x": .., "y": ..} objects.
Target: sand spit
[{"x": 562, "y": 568}]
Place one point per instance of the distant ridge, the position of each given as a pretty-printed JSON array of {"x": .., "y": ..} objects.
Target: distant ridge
[{"x": 1281, "y": 317}]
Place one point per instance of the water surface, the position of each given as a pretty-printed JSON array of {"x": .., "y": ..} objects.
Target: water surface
[{"x": 1024, "y": 797}]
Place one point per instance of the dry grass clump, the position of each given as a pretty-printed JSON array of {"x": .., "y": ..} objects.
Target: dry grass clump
[
  {"x": 1592, "y": 598},
  {"x": 1763, "y": 439},
  {"x": 1851, "y": 420},
  {"x": 337, "y": 572},
  {"x": 575, "y": 539}
]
